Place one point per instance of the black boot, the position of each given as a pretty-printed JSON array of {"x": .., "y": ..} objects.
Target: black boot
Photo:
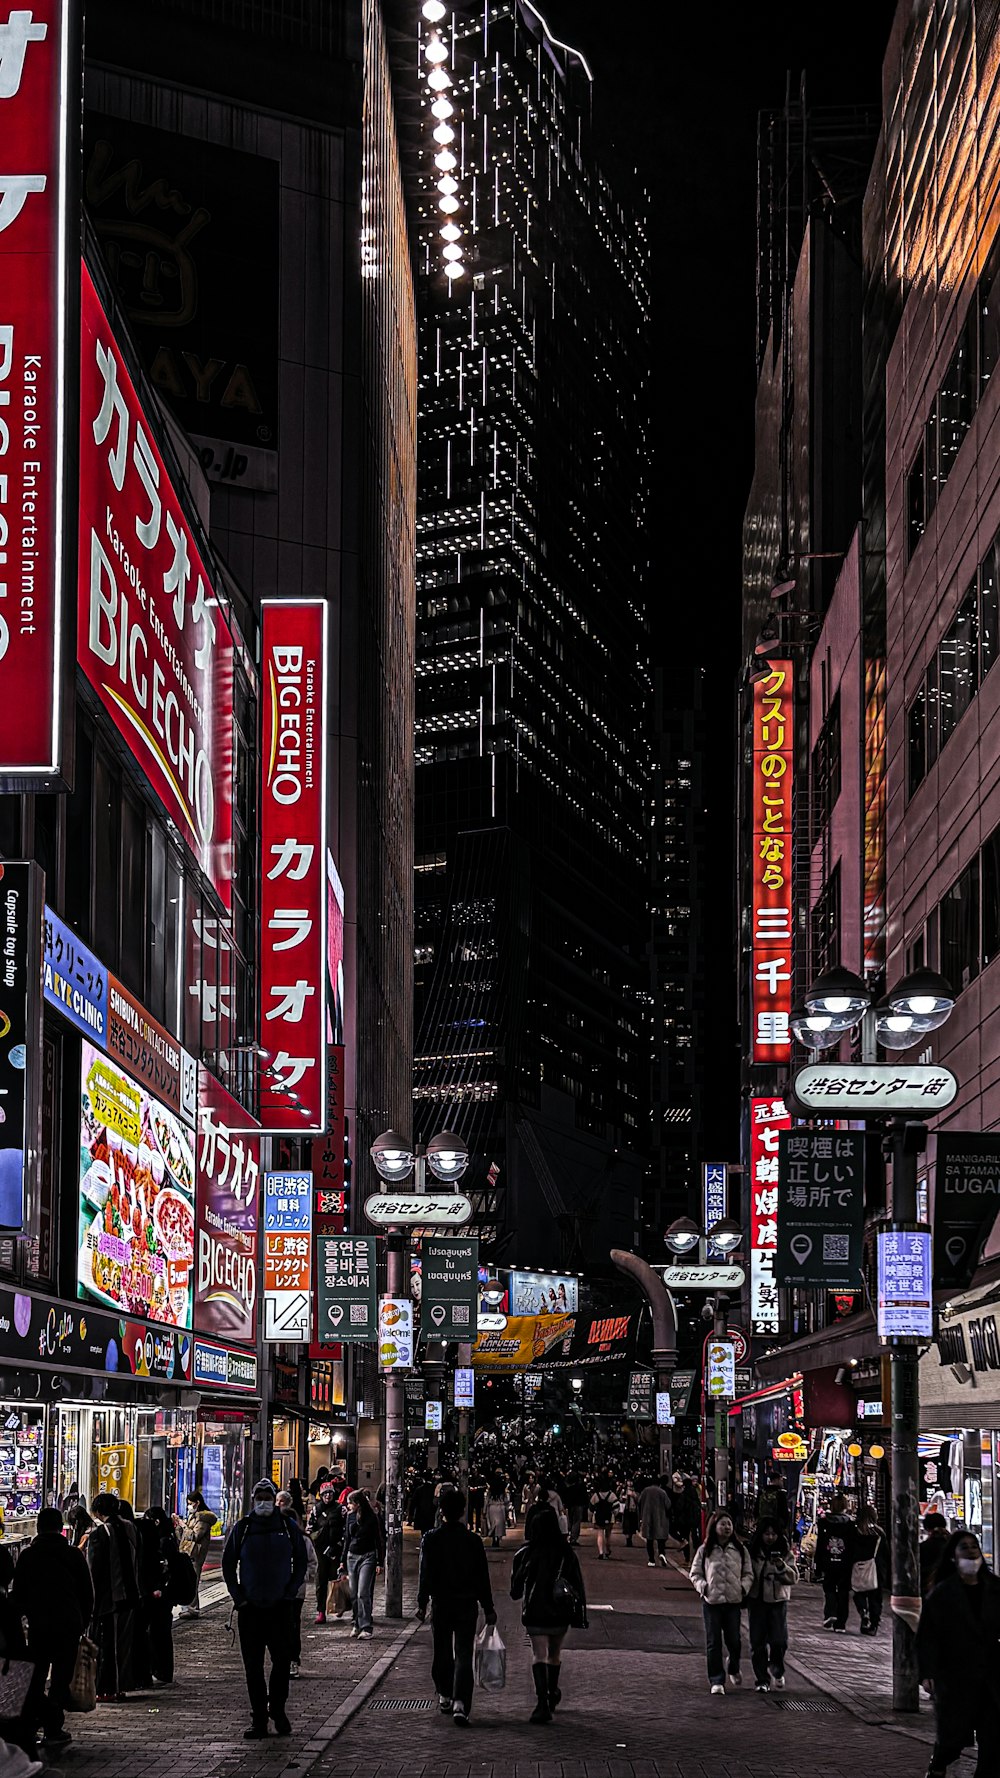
[
  {"x": 542, "y": 1711},
  {"x": 555, "y": 1695}
]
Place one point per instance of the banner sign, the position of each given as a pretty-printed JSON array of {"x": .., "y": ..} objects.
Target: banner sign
[
  {"x": 874, "y": 1089},
  {"x": 74, "y": 981},
  {"x": 543, "y": 1293},
  {"x": 641, "y": 1389},
  {"x": 771, "y": 864},
  {"x": 21, "y": 886},
  {"x": 905, "y": 1307},
  {"x": 429, "y": 1209},
  {"x": 601, "y": 1337},
  {"x": 149, "y": 1052},
  {"x": 664, "y": 1413},
  {"x": 465, "y": 1388},
  {"x": 137, "y": 1179},
  {"x": 768, "y": 1118},
  {"x": 523, "y": 1341},
  {"x": 152, "y": 637},
  {"x": 227, "y": 1214},
  {"x": 395, "y": 1333},
  {"x": 821, "y": 1190},
  {"x": 293, "y": 915},
  {"x": 966, "y": 1201},
  {"x": 346, "y": 1294},
  {"x": 37, "y": 1332},
  {"x": 720, "y": 1370},
  {"x": 715, "y": 1200},
  {"x": 287, "y": 1256},
  {"x": 38, "y": 100},
  {"x": 219, "y": 1367},
  {"x": 433, "y": 1416},
  {"x": 681, "y": 1391},
  {"x": 450, "y": 1287}
]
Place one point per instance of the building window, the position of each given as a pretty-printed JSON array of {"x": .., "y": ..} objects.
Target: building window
[
  {"x": 825, "y": 771},
  {"x": 825, "y": 926},
  {"x": 957, "y": 398},
  {"x": 916, "y": 740},
  {"x": 916, "y": 518},
  {"x": 991, "y": 897},
  {"x": 959, "y": 929},
  {"x": 958, "y": 666},
  {"x": 989, "y": 316}
]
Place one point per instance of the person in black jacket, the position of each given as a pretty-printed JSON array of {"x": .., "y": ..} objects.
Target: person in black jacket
[
  {"x": 158, "y": 1550},
  {"x": 958, "y": 1657},
  {"x": 326, "y": 1529},
  {"x": 361, "y": 1558},
  {"x": 932, "y": 1547},
  {"x": 264, "y": 1564},
  {"x": 545, "y": 1560},
  {"x": 834, "y": 1561},
  {"x": 52, "y": 1589},
  {"x": 112, "y": 1556},
  {"x": 455, "y": 1578}
]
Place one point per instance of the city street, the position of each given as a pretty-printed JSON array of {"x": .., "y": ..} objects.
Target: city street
[{"x": 635, "y": 1701}]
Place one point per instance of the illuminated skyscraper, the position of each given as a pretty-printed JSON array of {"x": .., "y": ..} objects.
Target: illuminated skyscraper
[{"x": 533, "y": 686}]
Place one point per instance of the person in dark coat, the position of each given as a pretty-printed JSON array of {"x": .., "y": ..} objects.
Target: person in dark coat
[
  {"x": 264, "y": 1564},
  {"x": 957, "y": 1643},
  {"x": 871, "y": 1546},
  {"x": 935, "y": 1539},
  {"x": 112, "y": 1555},
  {"x": 326, "y": 1529},
  {"x": 52, "y": 1589},
  {"x": 158, "y": 1548},
  {"x": 455, "y": 1580},
  {"x": 79, "y": 1521},
  {"x": 544, "y": 1559},
  {"x": 424, "y": 1504},
  {"x": 834, "y": 1561}
]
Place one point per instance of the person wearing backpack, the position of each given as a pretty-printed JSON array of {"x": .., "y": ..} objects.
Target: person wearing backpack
[
  {"x": 264, "y": 1564},
  {"x": 546, "y": 1577},
  {"x": 604, "y": 1505},
  {"x": 326, "y": 1529},
  {"x": 51, "y": 1587}
]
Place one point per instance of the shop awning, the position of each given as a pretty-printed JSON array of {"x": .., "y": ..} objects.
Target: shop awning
[
  {"x": 854, "y": 1337},
  {"x": 767, "y": 1392}
]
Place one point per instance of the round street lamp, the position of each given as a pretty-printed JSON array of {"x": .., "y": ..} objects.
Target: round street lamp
[
  {"x": 576, "y": 1384},
  {"x": 682, "y": 1236},
  {"x": 493, "y": 1293},
  {"x": 924, "y": 994},
  {"x": 447, "y": 1157},
  {"x": 726, "y": 1235},
  {"x": 393, "y": 1159},
  {"x": 840, "y": 994},
  {"x": 816, "y": 1030}
]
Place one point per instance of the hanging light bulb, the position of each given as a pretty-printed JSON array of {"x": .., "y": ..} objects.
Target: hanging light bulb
[
  {"x": 435, "y": 51},
  {"x": 452, "y": 251},
  {"x": 442, "y": 108},
  {"x": 454, "y": 269},
  {"x": 433, "y": 11},
  {"x": 447, "y": 184},
  {"x": 438, "y": 80},
  {"x": 444, "y": 132},
  {"x": 445, "y": 160},
  {"x": 448, "y": 205},
  {"x": 450, "y": 232}
]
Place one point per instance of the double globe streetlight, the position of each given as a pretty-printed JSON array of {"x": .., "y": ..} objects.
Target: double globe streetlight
[
  {"x": 839, "y": 1001},
  {"x": 446, "y": 1155},
  {"x": 684, "y": 1236}
]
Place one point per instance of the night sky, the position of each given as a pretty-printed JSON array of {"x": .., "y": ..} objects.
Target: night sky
[{"x": 677, "y": 90}]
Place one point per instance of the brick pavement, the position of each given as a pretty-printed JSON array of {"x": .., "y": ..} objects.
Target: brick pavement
[{"x": 636, "y": 1702}]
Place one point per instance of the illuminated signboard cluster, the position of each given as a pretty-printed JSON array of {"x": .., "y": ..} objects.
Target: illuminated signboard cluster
[
  {"x": 35, "y": 120},
  {"x": 768, "y": 1117},
  {"x": 771, "y": 864},
  {"x": 293, "y": 1014}
]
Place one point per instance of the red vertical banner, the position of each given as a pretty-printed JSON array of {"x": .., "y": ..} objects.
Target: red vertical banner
[
  {"x": 293, "y": 901},
  {"x": 37, "y": 91},
  {"x": 771, "y": 864},
  {"x": 767, "y": 1118}
]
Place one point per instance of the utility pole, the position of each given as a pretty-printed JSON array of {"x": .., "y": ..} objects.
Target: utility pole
[
  {"x": 395, "y": 1409},
  {"x": 720, "y": 1331},
  {"x": 464, "y": 1363},
  {"x": 904, "y": 1142}
]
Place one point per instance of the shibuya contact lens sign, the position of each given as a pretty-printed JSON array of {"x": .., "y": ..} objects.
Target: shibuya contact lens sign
[
  {"x": 768, "y": 1117},
  {"x": 293, "y": 911},
  {"x": 152, "y": 638},
  {"x": 771, "y": 864},
  {"x": 36, "y": 102}
]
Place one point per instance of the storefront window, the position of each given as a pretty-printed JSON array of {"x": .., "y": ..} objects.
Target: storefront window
[{"x": 22, "y": 1457}]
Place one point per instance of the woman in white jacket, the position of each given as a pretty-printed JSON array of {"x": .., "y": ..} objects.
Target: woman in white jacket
[{"x": 722, "y": 1573}]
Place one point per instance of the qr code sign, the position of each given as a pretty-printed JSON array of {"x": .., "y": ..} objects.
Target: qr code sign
[
  {"x": 460, "y": 1314},
  {"x": 359, "y": 1314},
  {"x": 837, "y": 1248}
]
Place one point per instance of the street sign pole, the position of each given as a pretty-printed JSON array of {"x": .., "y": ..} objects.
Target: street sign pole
[
  {"x": 395, "y": 1408},
  {"x": 905, "y": 1141}
]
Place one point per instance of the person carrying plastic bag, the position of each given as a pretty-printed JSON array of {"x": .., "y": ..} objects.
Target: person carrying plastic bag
[
  {"x": 455, "y": 1580},
  {"x": 490, "y": 1659}
]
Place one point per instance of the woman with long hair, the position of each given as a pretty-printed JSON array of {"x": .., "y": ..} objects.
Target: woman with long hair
[
  {"x": 362, "y": 1558},
  {"x": 956, "y": 1656},
  {"x": 546, "y": 1578},
  {"x": 604, "y": 1505},
  {"x": 868, "y": 1569},
  {"x": 722, "y": 1573},
  {"x": 774, "y": 1575}
]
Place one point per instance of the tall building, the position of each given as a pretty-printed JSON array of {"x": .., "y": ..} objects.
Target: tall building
[{"x": 533, "y": 688}]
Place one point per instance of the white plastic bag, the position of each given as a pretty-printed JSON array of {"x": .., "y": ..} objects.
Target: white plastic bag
[{"x": 490, "y": 1659}]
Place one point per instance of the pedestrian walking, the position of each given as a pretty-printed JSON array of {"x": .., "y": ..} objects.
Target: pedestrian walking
[
  {"x": 286, "y": 1504},
  {"x": 195, "y": 1537},
  {"x": 477, "y": 1501},
  {"x": 160, "y": 1570},
  {"x": 774, "y": 1575},
  {"x": 576, "y": 1504},
  {"x": 362, "y": 1558},
  {"x": 722, "y": 1573},
  {"x": 630, "y": 1515},
  {"x": 51, "y": 1587},
  {"x": 424, "y": 1504},
  {"x": 325, "y": 1528},
  {"x": 935, "y": 1529},
  {"x": 956, "y": 1657},
  {"x": 654, "y": 1521},
  {"x": 604, "y": 1505},
  {"x": 264, "y": 1564},
  {"x": 546, "y": 1577},
  {"x": 834, "y": 1561},
  {"x": 869, "y": 1569},
  {"x": 112, "y": 1557},
  {"x": 455, "y": 1581},
  {"x": 497, "y": 1507},
  {"x": 78, "y": 1521}
]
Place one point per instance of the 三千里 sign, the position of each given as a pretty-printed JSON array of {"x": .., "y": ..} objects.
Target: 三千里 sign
[{"x": 771, "y": 863}]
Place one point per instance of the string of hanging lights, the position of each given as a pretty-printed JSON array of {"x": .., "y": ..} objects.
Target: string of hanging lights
[{"x": 438, "y": 81}]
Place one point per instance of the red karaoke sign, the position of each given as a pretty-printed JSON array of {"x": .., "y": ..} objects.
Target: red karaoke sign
[
  {"x": 34, "y": 403},
  {"x": 293, "y": 906},
  {"x": 152, "y": 637},
  {"x": 771, "y": 865}
]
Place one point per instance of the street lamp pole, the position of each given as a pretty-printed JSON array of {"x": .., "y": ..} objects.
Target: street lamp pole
[
  {"x": 721, "y": 1456},
  {"x": 905, "y": 1141},
  {"x": 395, "y": 1408}
]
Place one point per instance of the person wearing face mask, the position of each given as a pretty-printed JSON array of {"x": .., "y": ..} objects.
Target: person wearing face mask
[
  {"x": 774, "y": 1575},
  {"x": 722, "y": 1574},
  {"x": 958, "y": 1657},
  {"x": 264, "y": 1564}
]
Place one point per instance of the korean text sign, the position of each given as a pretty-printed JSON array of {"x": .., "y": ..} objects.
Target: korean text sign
[
  {"x": 768, "y": 1117},
  {"x": 820, "y": 1208},
  {"x": 346, "y": 1307},
  {"x": 293, "y": 864},
  {"x": 771, "y": 864},
  {"x": 137, "y": 1178},
  {"x": 905, "y": 1307},
  {"x": 36, "y": 85},
  {"x": 228, "y": 1208},
  {"x": 287, "y": 1255},
  {"x": 152, "y": 638}
]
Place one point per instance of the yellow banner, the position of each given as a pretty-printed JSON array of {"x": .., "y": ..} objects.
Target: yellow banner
[
  {"x": 523, "y": 1342},
  {"x": 116, "y": 1468}
]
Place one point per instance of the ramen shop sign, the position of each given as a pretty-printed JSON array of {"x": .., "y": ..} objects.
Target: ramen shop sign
[{"x": 152, "y": 637}]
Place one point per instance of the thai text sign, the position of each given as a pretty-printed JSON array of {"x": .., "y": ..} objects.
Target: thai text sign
[
  {"x": 771, "y": 864},
  {"x": 905, "y": 1308},
  {"x": 287, "y": 1255},
  {"x": 768, "y": 1118},
  {"x": 228, "y": 1208},
  {"x": 152, "y": 637},
  {"x": 36, "y": 90},
  {"x": 346, "y": 1303},
  {"x": 293, "y": 865},
  {"x": 821, "y": 1188},
  {"x": 450, "y": 1294}
]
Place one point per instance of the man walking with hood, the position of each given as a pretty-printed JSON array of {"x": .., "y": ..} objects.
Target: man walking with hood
[{"x": 264, "y": 1564}]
